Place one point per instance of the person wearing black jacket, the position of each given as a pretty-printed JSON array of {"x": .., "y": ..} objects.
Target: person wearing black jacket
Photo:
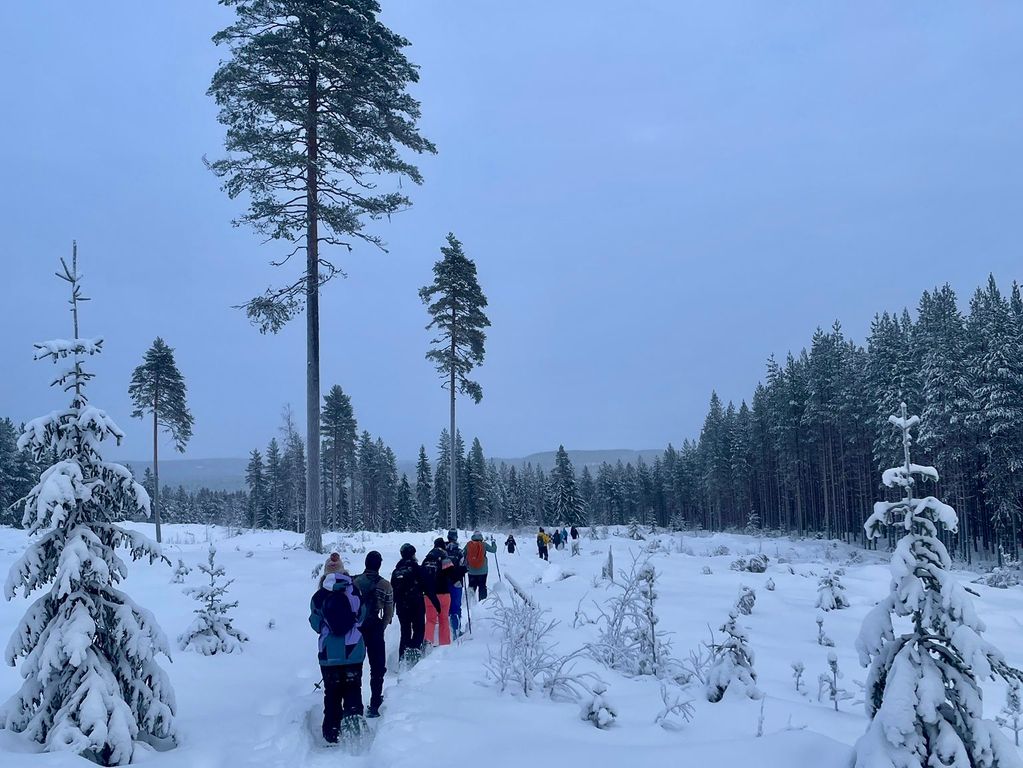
[
  {"x": 439, "y": 577},
  {"x": 408, "y": 584}
]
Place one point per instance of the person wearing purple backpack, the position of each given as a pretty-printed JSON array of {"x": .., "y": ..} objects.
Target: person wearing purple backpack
[{"x": 336, "y": 612}]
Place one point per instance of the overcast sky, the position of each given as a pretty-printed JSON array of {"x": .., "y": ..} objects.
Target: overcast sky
[{"x": 658, "y": 195}]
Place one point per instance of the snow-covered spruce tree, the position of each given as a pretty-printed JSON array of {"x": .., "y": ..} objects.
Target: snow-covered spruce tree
[
  {"x": 91, "y": 685},
  {"x": 211, "y": 631},
  {"x": 732, "y": 662},
  {"x": 1011, "y": 716},
  {"x": 634, "y": 531},
  {"x": 923, "y": 695},
  {"x": 831, "y": 592}
]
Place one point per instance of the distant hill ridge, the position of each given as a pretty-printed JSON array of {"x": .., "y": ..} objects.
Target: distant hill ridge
[{"x": 229, "y": 474}]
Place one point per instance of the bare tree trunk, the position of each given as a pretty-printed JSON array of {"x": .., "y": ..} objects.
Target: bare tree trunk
[
  {"x": 313, "y": 538},
  {"x": 156, "y": 466}
]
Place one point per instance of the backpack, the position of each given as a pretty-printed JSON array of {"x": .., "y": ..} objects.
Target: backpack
[
  {"x": 370, "y": 599},
  {"x": 403, "y": 581},
  {"x": 454, "y": 553},
  {"x": 475, "y": 554},
  {"x": 338, "y": 613},
  {"x": 431, "y": 570}
]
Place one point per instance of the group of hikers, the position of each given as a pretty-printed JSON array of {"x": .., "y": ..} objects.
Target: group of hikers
[
  {"x": 559, "y": 539},
  {"x": 350, "y": 614}
]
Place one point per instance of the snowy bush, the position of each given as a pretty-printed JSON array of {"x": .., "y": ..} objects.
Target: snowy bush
[
  {"x": 693, "y": 668},
  {"x": 822, "y": 638},
  {"x": 923, "y": 695},
  {"x": 561, "y": 681},
  {"x": 756, "y": 564},
  {"x": 1001, "y": 578},
  {"x": 575, "y": 548},
  {"x": 746, "y": 600},
  {"x": 180, "y": 573},
  {"x": 719, "y": 551},
  {"x": 211, "y": 631},
  {"x": 607, "y": 571},
  {"x": 524, "y": 648},
  {"x": 706, "y": 571},
  {"x": 677, "y": 708},
  {"x": 598, "y": 710},
  {"x": 831, "y": 592},
  {"x": 92, "y": 685},
  {"x": 769, "y": 585},
  {"x": 732, "y": 662},
  {"x": 628, "y": 639},
  {"x": 634, "y": 531}
]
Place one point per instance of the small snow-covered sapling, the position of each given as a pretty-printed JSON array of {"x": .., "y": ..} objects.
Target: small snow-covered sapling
[
  {"x": 1011, "y": 716},
  {"x": 769, "y": 586},
  {"x": 732, "y": 662},
  {"x": 598, "y": 710},
  {"x": 831, "y": 592},
  {"x": 822, "y": 638},
  {"x": 180, "y": 572},
  {"x": 706, "y": 570},
  {"x": 798, "y": 668},
  {"x": 827, "y": 682},
  {"x": 677, "y": 710},
  {"x": 212, "y": 630}
]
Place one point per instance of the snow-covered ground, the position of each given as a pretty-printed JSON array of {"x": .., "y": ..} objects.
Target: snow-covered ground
[{"x": 253, "y": 708}]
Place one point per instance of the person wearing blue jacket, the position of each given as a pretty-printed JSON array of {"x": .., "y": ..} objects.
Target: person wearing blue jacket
[{"x": 335, "y": 614}]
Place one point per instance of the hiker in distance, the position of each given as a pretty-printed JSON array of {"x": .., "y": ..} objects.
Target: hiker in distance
[
  {"x": 543, "y": 543},
  {"x": 476, "y": 563},
  {"x": 457, "y": 558},
  {"x": 378, "y": 600},
  {"x": 510, "y": 544},
  {"x": 409, "y": 588},
  {"x": 335, "y": 613}
]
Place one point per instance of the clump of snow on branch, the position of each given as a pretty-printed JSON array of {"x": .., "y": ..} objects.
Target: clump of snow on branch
[
  {"x": 923, "y": 692},
  {"x": 211, "y": 631}
]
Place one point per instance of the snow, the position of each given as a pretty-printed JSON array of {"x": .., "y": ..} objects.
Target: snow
[{"x": 253, "y": 708}]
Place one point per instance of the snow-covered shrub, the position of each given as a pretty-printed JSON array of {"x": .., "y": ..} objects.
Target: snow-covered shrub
[
  {"x": 628, "y": 639},
  {"x": 831, "y": 592},
  {"x": 855, "y": 557},
  {"x": 211, "y": 631},
  {"x": 719, "y": 551},
  {"x": 271, "y": 624},
  {"x": 822, "y": 638},
  {"x": 180, "y": 573},
  {"x": 1000, "y": 578},
  {"x": 92, "y": 685},
  {"x": 575, "y": 548},
  {"x": 598, "y": 710},
  {"x": 798, "y": 669},
  {"x": 746, "y": 600},
  {"x": 1011, "y": 716},
  {"x": 693, "y": 668},
  {"x": 706, "y": 571},
  {"x": 769, "y": 585},
  {"x": 732, "y": 662},
  {"x": 634, "y": 531},
  {"x": 924, "y": 699},
  {"x": 524, "y": 648},
  {"x": 755, "y": 564},
  {"x": 753, "y": 523},
  {"x": 561, "y": 681},
  {"x": 607, "y": 571},
  {"x": 677, "y": 708},
  {"x": 827, "y": 683}
]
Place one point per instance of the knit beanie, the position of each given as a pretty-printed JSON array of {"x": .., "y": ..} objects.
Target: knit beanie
[
  {"x": 374, "y": 560},
  {"x": 477, "y": 536},
  {"x": 333, "y": 564},
  {"x": 452, "y": 535}
]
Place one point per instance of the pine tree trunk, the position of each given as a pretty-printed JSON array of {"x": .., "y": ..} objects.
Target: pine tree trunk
[
  {"x": 453, "y": 521},
  {"x": 313, "y": 539},
  {"x": 156, "y": 466}
]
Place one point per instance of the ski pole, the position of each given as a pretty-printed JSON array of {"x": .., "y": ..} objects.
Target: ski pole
[
  {"x": 497, "y": 562},
  {"x": 468, "y": 612}
]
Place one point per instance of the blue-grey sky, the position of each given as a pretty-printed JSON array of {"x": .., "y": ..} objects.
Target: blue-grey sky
[{"x": 658, "y": 195}]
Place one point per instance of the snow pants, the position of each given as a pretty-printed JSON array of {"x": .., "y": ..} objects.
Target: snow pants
[
  {"x": 438, "y": 622},
  {"x": 478, "y": 582},
  {"x": 456, "y": 609},
  {"x": 376, "y": 655},
  {"x": 342, "y": 697},
  {"x": 542, "y": 552},
  {"x": 412, "y": 622}
]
